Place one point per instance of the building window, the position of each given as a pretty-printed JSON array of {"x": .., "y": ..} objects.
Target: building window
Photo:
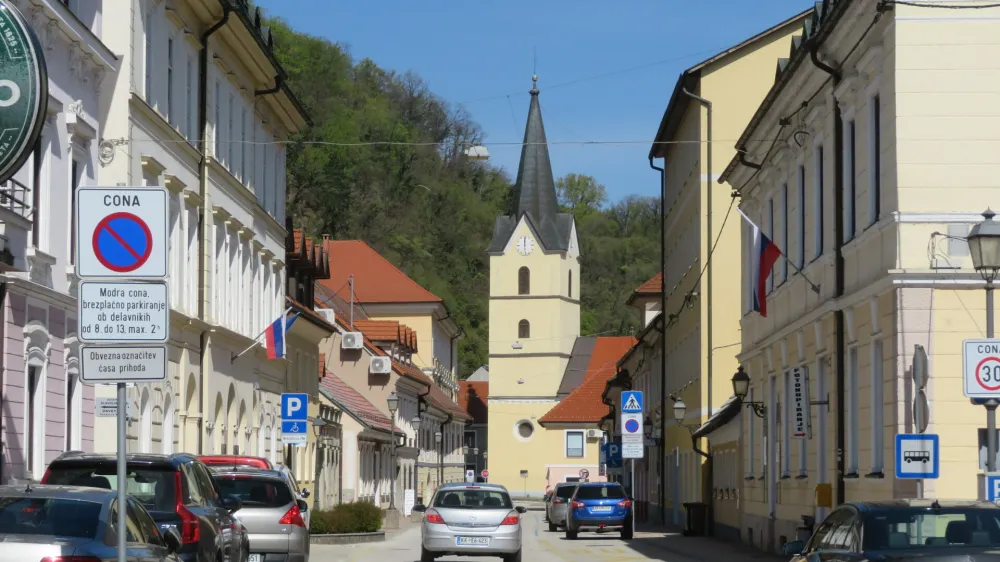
[
  {"x": 74, "y": 185},
  {"x": 33, "y": 413},
  {"x": 850, "y": 183},
  {"x": 878, "y": 409},
  {"x": 800, "y": 253},
  {"x": 770, "y": 233},
  {"x": 875, "y": 142},
  {"x": 218, "y": 121},
  {"x": 170, "y": 81},
  {"x": 574, "y": 444},
  {"x": 243, "y": 147},
  {"x": 192, "y": 104},
  {"x": 230, "y": 110},
  {"x": 818, "y": 194},
  {"x": 523, "y": 281},
  {"x": 772, "y": 443},
  {"x": 569, "y": 291},
  {"x": 784, "y": 232},
  {"x": 37, "y": 157},
  {"x": 525, "y": 430},
  {"x": 852, "y": 412},
  {"x": 523, "y": 329}
]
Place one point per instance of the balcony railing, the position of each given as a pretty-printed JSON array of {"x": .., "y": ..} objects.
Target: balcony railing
[{"x": 14, "y": 197}]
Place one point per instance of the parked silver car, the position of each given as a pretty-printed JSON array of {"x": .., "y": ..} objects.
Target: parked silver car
[
  {"x": 270, "y": 512},
  {"x": 77, "y": 523},
  {"x": 470, "y": 520},
  {"x": 555, "y": 508}
]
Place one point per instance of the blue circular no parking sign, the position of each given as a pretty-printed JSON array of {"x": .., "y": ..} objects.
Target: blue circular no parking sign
[
  {"x": 631, "y": 426},
  {"x": 122, "y": 242}
]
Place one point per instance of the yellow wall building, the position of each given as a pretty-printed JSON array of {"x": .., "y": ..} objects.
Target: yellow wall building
[
  {"x": 702, "y": 331},
  {"x": 865, "y": 166}
]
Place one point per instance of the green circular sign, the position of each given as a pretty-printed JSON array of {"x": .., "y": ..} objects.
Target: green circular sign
[{"x": 24, "y": 90}]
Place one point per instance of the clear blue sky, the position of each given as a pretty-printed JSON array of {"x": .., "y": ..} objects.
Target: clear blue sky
[{"x": 622, "y": 57}]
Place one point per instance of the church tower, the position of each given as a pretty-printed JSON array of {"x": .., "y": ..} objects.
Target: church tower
[{"x": 534, "y": 317}]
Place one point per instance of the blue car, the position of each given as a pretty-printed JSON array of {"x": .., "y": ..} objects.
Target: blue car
[{"x": 599, "y": 506}]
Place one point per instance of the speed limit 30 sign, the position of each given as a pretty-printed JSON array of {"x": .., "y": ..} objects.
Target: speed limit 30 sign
[{"x": 982, "y": 368}]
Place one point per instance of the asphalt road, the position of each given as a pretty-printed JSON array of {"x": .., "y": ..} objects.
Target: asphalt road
[{"x": 539, "y": 546}]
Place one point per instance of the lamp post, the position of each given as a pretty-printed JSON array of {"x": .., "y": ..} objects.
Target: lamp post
[
  {"x": 393, "y": 402},
  {"x": 437, "y": 442},
  {"x": 475, "y": 458},
  {"x": 318, "y": 425},
  {"x": 486, "y": 464},
  {"x": 741, "y": 387},
  {"x": 415, "y": 423},
  {"x": 984, "y": 248}
]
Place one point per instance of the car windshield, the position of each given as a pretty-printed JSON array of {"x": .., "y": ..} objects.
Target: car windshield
[
  {"x": 153, "y": 487},
  {"x": 473, "y": 499},
  {"x": 50, "y": 517},
  {"x": 600, "y": 493},
  {"x": 254, "y": 491},
  {"x": 907, "y": 528},
  {"x": 565, "y": 492}
]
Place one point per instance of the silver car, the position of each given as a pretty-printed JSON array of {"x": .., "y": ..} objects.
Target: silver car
[
  {"x": 77, "y": 523},
  {"x": 270, "y": 512},
  {"x": 556, "y": 506},
  {"x": 470, "y": 520}
]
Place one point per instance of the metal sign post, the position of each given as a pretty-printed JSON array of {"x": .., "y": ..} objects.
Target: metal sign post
[{"x": 122, "y": 472}]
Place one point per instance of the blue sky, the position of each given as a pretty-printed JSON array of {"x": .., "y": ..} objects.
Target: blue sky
[{"x": 606, "y": 69}]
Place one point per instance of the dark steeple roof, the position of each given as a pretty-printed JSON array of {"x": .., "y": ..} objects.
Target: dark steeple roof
[{"x": 535, "y": 189}]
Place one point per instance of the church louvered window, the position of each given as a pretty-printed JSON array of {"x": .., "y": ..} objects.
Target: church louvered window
[
  {"x": 570, "y": 290},
  {"x": 523, "y": 329},
  {"x": 524, "y": 281}
]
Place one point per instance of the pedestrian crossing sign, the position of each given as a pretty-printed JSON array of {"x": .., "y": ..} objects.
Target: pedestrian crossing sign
[{"x": 631, "y": 402}]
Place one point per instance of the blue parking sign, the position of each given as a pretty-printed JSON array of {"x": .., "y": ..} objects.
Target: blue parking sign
[
  {"x": 613, "y": 454},
  {"x": 992, "y": 486},
  {"x": 295, "y": 406}
]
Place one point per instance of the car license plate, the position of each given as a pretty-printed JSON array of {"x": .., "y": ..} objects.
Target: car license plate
[
  {"x": 473, "y": 541},
  {"x": 255, "y": 558},
  {"x": 601, "y": 508}
]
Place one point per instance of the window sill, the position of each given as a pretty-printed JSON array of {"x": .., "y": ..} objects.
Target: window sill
[
  {"x": 786, "y": 476},
  {"x": 802, "y": 477},
  {"x": 875, "y": 475},
  {"x": 851, "y": 476}
]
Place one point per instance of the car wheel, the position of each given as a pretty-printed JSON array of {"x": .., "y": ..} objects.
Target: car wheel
[
  {"x": 516, "y": 557},
  {"x": 553, "y": 527},
  {"x": 425, "y": 555},
  {"x": 627, "y": 533},
  {"x": 571, "y": 534}
]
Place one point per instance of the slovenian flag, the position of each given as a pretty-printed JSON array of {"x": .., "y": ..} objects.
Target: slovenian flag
[
  {"x": 274, "y": 335},
  {"x": 763, "y": 254}
]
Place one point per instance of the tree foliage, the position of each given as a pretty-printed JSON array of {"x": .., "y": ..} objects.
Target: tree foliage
[{"x": 423, "y": 205}]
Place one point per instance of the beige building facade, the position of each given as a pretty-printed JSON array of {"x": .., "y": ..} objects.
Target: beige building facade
[
  {"x": 869, "y": 160},
  {"x": 702, "y": 297}
]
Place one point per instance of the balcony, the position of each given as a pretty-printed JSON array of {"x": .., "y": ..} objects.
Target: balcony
[{"x": 15, "y": 197}]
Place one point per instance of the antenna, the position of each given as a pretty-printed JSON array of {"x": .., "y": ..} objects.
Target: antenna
[
  {"x": 534, "y": 63},
  {"x": 351, "y": 281}
]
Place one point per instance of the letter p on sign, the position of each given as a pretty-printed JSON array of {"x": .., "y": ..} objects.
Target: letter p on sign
[{"x": 293, "y": 407}]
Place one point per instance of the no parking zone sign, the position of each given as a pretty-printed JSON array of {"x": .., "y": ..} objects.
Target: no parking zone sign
[{"x": 121, "y": 232}]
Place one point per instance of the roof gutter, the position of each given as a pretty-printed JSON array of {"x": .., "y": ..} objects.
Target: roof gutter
[{"x": 663, "y": 307}]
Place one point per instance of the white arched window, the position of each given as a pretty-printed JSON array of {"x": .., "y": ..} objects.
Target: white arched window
[
  {"x": 36, "y": 358},
  {"x": 74, "y": 395}
]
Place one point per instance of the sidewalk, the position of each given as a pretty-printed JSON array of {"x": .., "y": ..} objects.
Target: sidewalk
[{"x": 650, "y": 538}]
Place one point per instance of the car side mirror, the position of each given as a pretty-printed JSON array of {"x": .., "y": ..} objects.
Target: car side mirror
[
  {"x": 305, "y": 492},
  {"x": 172, "y": 538},
  {"x": 793, "y": 548},
  {"x": 419, "y": 508},
  {"x": 303, "y": 506},
  {"x": 521, "y": 509},
  {"x": 231, "y": 503}
]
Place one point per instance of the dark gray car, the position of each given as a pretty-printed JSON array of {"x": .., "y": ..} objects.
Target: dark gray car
[{"x": 77, "y": 523}]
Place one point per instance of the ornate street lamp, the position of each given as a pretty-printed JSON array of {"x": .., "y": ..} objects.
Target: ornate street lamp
[
  {"x": 393, "y": 402},
  {"x": 437, "y": 441},
  {"x": 984, "y": 248},
  {"x": 741, "y": 387}
]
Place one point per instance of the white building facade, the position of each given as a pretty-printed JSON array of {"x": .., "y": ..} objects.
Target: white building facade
[
  {"x": 200, "y": 108},
  {"x": 44, "y": 408}
]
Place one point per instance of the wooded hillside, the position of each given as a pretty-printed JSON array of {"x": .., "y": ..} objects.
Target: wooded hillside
[{"x": 423, "y": 205}]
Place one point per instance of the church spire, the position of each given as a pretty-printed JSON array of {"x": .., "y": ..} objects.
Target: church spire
[{"x": 535, "y": 188}]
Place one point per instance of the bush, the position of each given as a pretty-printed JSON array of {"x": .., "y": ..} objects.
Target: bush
[{"x": 355, "y": 517}]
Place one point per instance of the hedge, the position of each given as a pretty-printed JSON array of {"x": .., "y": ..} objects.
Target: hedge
[{"x": 355, "y": 517}]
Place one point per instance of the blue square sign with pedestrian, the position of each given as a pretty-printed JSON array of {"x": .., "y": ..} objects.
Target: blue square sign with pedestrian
[
  {"x": 632, "y": 402},
  {"x": 918, "y": 455},
  {"x": 294, "y": 413}
]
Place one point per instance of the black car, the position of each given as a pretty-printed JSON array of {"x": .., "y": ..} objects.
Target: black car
[
  {"x": 903, "y": 530},
  {"x": 178, "y": 492}
]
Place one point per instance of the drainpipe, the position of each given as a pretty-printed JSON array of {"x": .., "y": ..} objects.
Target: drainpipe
[
  {"x": 708, "y": 247},
  {"x": 203, "y": 242},
  {"x": 707, "y": 481},
  {"x": 661, "y": 496},
  {"x": 279, "y": 81},
  {"x": 441, "y": 452},
  {"x": 838, "y": 222}
]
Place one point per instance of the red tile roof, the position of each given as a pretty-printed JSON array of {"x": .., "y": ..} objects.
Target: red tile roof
[
  {"x": 355, "y": 403},
  {"x": 584, "y": 404},
  {"x": 443, "y": 402},
  {"x": 651, "y": 288},
  {"x": 472, "y": 398},
  {"x": 411, "y": 372},
  {"x": 376, "y": 280}
]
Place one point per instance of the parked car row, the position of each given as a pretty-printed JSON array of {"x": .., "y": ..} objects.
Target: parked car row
[
  {"x": 242, "y": 509},
  {"x": 589, "y": 506}
]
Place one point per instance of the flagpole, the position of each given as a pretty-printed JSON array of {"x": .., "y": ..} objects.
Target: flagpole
[
  {"x": 256, "y": 339},
  {"x": 788, "y": 260}
]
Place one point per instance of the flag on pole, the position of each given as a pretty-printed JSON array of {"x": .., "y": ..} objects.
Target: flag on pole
[
  {"x": 274, "y": 335},
  {"x": 763, "y": 254}
]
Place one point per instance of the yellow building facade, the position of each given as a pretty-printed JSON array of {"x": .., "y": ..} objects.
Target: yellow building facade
[
  {"x": 702, "y": 331},
  {"x": 870, "y": 159}
]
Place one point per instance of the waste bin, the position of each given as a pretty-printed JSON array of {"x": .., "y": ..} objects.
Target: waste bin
[
  {"x": 805, "y": 530},
  {"x": 697, "y": 519}
]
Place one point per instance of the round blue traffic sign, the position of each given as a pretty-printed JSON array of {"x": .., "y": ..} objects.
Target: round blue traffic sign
[
  {"x": 122, "y": 242},
  {"x": 631, "y": 426}
]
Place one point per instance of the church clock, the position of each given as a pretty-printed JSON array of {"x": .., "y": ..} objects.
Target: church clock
[{"x": 525, "y": 245}]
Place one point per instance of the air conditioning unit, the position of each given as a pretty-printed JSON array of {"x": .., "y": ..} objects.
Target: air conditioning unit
[
  {"x": 592, "y": 434},
  {"x": 352, "y": 340},
  {"x": 328, "y": 314},
  {"x": 381, "y": 366}
]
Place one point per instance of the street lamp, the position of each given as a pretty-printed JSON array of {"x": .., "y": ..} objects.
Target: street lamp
[
  {"x": 984, "y": 248},
  {"x": 318, "y": 425},
  {"x": 437, "y": 441},
  {"x": 741, "y": 387},
  {"x": 393, "y": 402}
]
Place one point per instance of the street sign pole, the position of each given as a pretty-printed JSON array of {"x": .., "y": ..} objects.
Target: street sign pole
[{"x": 122, "y": 473}]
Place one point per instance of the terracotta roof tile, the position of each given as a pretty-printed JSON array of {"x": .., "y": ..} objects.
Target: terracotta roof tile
[
  {"x": 354, "y": 402},
  {"x": 379, "y": 330},
  {"x": 412, "y": 372},
  {"x": 584, "y": 404},
  {"x": 376, "y": 280},
  {"x": 472, "y": 398},
  {"x": 297, "y": 240},
  {"x": 442, "y": 402}
]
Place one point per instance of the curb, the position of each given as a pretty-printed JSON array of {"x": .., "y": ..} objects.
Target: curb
[{"x": 347, "y": 538}]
